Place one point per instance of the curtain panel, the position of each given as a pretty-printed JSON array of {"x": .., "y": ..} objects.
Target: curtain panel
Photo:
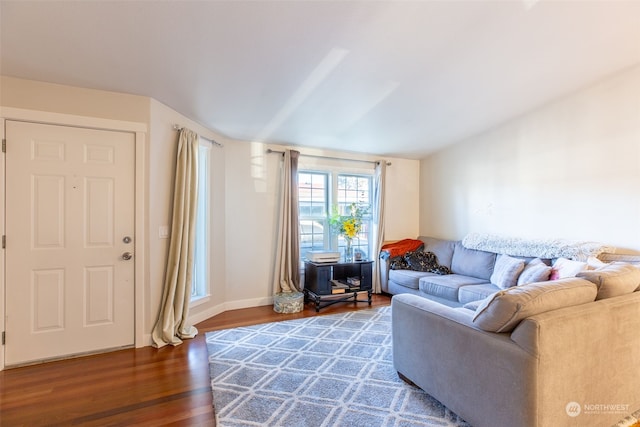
[
  {"x": 286, "y": 276},
  {"x": 171, "y": 326},
  {"x": 379, "y": 217}
]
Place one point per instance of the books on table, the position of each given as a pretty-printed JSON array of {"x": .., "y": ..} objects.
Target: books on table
[{"x": 341, "y": 286}]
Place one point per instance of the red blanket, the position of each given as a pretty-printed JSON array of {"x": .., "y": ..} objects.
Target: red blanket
[{"x": 402, "y": 246}]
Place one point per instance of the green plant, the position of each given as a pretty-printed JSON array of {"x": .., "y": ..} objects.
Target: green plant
[{"x": 348, "y": 225}]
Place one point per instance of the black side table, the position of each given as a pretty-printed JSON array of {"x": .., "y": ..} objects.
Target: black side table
[{"x": 318, "y": 277}]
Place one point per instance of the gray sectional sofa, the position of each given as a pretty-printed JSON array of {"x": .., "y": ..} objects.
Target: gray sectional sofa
[{"x": 552, "y": 353}]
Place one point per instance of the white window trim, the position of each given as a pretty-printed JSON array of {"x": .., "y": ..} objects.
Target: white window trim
[
  {"x": 204, "y": 228},
  {"x": 332, "y": 173}
]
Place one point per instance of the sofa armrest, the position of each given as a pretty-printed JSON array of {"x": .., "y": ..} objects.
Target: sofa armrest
[
  {"x": 467, "y": 369},
  {"x": 384, "y": 265},
  {"x": 586, "y": 354}
]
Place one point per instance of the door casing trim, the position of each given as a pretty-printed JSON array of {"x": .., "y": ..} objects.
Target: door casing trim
[{"x": 140, "y": 131}]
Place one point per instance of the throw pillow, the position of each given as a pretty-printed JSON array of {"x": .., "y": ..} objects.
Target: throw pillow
[
  {"x": 503, "y": 310},
  {"x": 594, "y": 263},
  {"x": 506, "y": 271},
  {"x": 612, "y": 280},
  {"x": 535, "y": 271},
  {"x": 564, "y": 268}
]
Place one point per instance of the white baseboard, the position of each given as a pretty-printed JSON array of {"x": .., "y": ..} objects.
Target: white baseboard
[
  {"x": 205, "y": 314},
  {"x": 212, "y": 311},
  {"x": 146, "y": 341},
  {"x": 246, "y": 303},
  {"x": 229, "y": 305}
]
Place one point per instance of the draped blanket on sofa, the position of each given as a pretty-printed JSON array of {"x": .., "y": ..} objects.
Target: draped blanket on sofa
[{"x": 540, "y": 248}]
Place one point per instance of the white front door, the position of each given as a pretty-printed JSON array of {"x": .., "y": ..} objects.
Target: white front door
[{"x": 70, "y": 203}]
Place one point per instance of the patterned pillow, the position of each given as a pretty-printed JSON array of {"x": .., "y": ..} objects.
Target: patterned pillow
[{"x": 506, "y": 271}]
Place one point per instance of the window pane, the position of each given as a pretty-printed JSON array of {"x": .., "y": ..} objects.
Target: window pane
[
  {"x": 312, "y": 235},
  {"x": 200, "y": 280},
  {"x": 312, "y": 193},
  {"x": 356, "y": 189}
]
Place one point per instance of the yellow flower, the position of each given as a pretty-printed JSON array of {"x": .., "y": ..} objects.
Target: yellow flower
[
  {"x": 350, "y": 228},
  {"x": 348, "y": 225}
]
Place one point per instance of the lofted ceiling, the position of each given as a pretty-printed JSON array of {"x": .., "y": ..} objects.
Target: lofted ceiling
[{"x": 383, "y": 77}]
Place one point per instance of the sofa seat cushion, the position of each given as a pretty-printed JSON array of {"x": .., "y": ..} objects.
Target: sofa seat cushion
[
  {"x": 612, "y": 280},
  {"x": 502, "y": 311},
  {"x": 408, "y": 278},
  {"x": 472, "y": 293},
  {"x": 447, "y": 286},
  {"x": 470, "y": 262}
]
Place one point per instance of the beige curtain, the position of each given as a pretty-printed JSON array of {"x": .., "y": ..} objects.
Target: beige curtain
[
  {"x": 378, "y": 203},
  {"x": 172, "y": 325},
  {"x": 286, "y": 277}
]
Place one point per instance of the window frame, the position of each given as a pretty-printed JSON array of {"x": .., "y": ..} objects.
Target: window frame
[
  {"x": 368, "y": 219},
  {"x": 200, "y": 281},
  {"x": 330, "y": 240}
]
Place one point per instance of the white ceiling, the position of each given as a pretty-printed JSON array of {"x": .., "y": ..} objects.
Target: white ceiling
[{"x": 381, "y": 77}]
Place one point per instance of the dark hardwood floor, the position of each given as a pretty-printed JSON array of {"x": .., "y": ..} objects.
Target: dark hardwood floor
[{"x": 146, "y": 386}]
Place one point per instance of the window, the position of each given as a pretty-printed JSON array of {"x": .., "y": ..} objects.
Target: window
[
  {"x": 314, "y": 208},
  {"x": 356, "y": 189},
  {"x": 200, "y": 279},
  {"x": 318, "y": 193}
]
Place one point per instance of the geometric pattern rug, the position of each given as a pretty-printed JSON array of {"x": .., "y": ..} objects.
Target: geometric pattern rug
[{"x": 332, "y": 370}]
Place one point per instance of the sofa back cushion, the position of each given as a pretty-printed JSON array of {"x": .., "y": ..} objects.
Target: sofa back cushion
[
  {"x": 502, "y": 311},
  {"x": 470, "y": 262},
  {"x": 443, "y": 249},
  {"x": 612, "y": 280}
]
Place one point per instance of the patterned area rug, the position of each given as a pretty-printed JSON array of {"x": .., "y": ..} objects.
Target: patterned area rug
[{"x": 333, "y": 370}]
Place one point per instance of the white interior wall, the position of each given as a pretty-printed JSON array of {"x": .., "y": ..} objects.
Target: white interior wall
[
  {"x": 42, "y": 96},
  {"x": 162, "y": 159},
  {"x": 244, "y": 193},
  {"x": 570, "y": 170},
  {"x": 402, "y": 201},
  {"x": 252, "y": 189},
  {"x": 250, "y": 194}
]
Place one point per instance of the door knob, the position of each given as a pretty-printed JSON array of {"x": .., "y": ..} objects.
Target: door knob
[{"x": 127, "y": 256}]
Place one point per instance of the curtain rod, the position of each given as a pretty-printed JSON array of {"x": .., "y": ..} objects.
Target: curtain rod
[
  {"x": 269, "y": 151},
  {"x": 179, "y": 128}
]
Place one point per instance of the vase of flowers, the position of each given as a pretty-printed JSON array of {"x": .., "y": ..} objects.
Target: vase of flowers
[{"x": 347, "y": 225}]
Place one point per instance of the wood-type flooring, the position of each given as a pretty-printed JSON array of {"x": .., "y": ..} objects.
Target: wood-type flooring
[{"x": 145, "y": 386}]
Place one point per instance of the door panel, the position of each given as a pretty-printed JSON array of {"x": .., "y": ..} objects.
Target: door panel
[{"x": 69, "y": 203}]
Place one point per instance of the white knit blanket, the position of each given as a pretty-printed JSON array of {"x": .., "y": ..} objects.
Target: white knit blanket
[{"x": 541, "y": 248}]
